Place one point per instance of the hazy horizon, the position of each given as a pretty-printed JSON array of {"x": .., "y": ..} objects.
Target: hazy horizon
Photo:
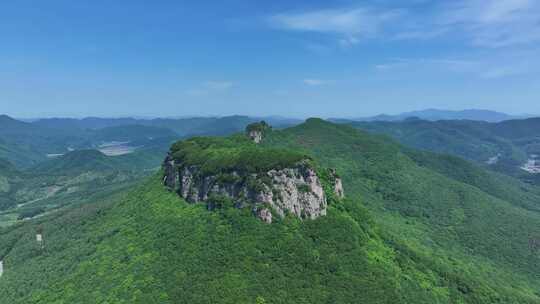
[{"x": 30, "y": 118}]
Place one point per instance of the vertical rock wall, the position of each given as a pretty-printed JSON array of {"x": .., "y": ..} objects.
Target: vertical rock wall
[{"x": 296, "y": 190}]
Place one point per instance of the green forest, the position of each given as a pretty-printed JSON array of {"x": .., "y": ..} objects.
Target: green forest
[{"x": 415, "y": 227}]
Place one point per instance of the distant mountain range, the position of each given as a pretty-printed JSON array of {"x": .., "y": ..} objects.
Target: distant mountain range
[
  {"x": 182, "y": 126},
  {"x": 436, "y": 114},
  {"x": 27, "y": 143}
]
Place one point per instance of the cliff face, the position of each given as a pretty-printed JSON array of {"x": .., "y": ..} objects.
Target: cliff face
[{"x": 297, "y": 190}]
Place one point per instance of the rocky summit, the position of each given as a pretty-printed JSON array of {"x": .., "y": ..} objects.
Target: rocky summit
[{"x": 266, "y": 180}]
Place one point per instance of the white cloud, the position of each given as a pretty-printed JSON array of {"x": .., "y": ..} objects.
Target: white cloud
[
  {"x": 482, "y": 23},
  {"x": 456, "y": 65},
  {"x": 421, "y": 34},
  {"x": 495, "y": 23},
  {"x": 488, "y": 11},
  {"x": 350, "y": 24},
  {"x": 315, "y": 82}
]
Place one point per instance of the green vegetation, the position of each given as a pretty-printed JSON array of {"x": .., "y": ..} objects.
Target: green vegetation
[
  {"x": 468, "y": 139},
  {"x": 444, "y": 211},
  {"x": 217, "y": 155},
  {"x": 508, "y": 143},
  {"x": 77, "y": 162},
  {"x": 415, "y": 227},
  {"x": 27, "y": 145},
  {"x": 151, "y": 247},
  {"x": 70, "y": 179},
  {"x": 10, "y": 177},
  {"x": 258, "y": 126},
  {"x": 496, "y": 184},
  {"x": 82, "y": 161}
]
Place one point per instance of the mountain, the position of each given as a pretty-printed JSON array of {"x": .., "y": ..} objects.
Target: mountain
[
  {"x": 435, "y": 115},
  {"x": 6, "y": 168},
  {"x": 414, "y": 227},
  {"x": 181, "y": 126},
  {"x": 25, "y": 144},
  {"x": 130, "y": 133},
  {"x": 77, "y": 162},
  {"x": 81, "y": 161},
  {"x": 29, "y": 143},
  {"x": 520, "y": 129},
  {"x": 91, "y": 123},
  {"x": 236, "y": 171},
  {"x": 71, "y": 179},
  {"x": 9, "y": 178},
  {"x": 505, "y": 146}
]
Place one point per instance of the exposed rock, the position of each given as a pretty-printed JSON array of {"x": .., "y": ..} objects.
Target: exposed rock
[
  {"x": 338, "y": 185},
  {"x": 256, "y": 136},
  {"x": 169, "y": 178},
  {"x": 265, "y": 215},
  {"x": 296, "y": 190},
  {"x": 255, "y": 131}
]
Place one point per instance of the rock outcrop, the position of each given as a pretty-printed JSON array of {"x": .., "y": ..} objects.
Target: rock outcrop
[
  {"x": 338, "y": 184},
  {"x": 296, "y": 190},
  {"x": 255, "y": 135},
  {"x": 264, "y": 214},
  {"x": 255, "y": 131}
]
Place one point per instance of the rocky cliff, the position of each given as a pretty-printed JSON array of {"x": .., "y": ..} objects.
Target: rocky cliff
[
  {"x": 297, "y": 189},
  {"x": 243, "y": 174}
]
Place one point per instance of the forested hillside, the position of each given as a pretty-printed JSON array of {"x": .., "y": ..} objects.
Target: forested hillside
[
  {"x": 71, "y": 179},
  {"x": 506, "y": 147},
  {"x": 409, "y": 231}
]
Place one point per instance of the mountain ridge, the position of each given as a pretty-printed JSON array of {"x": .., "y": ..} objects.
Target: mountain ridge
[
  {"x": 503, "y": 146},
  {"x": 439, "y": 114}
]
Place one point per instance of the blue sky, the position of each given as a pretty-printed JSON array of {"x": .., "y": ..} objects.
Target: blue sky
[{"x": 290, "y": 58}]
